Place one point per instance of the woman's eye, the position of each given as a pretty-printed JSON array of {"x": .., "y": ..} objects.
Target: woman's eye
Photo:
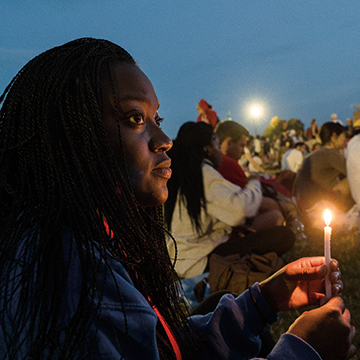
[{"x": 137, "y": 119}]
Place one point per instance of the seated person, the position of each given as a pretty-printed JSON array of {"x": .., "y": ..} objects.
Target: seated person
[
  {"x": 323, "y": 173},
  {"x": 233, "y": 137},
  {"x": 247, "y": 160},
  {"x": 353, "y": 163},
  {"x": 293, "y": 158},
  {"x": 257, "y": 159},
  {"x": 203, "y": 208}
]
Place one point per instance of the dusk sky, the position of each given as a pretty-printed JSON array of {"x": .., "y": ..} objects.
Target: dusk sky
[{"x": 299, "y": 59}]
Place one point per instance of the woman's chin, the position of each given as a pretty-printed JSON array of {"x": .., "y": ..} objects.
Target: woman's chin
[{"x": 153, "y": 199}]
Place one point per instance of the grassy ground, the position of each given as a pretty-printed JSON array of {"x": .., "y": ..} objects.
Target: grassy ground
[{"x": 345, "y": 247}]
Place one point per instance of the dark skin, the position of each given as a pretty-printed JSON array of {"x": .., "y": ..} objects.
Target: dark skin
[
  {"x": 322, "y": 335},
  {"x": 213, "y": 152},
  {"x": 327, "y": 329},
  {"x": 144, "y": 144},
  {"x": 300, "y": 284}
]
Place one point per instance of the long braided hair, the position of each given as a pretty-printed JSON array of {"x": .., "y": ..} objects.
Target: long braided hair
[
  {"x": 187, "y": 156},
  {"x": 57, "y": 171}
]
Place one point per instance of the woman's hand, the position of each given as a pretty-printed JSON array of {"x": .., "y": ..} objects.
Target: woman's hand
[
  {"x": 300, "y": 283},
  {"x": 328, "y": 330}
]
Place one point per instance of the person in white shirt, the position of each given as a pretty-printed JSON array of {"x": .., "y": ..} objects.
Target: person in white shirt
[
  {"x": 203, "y": 208},
  {"x": 335, "y": 119},
  {"x": 248, "y": 159},
  {"x": 257, "y": 159},
  {"x": 353, "y": 163},
  {"x": 293, "y": 158},
  {"x": 257, "y": 144}
]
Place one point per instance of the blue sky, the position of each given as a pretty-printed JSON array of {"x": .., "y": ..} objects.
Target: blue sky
[{"x": 300, "y": 59}]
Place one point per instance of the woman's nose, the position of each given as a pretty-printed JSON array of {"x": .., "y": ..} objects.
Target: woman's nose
[{"x": 159, "y": 141}]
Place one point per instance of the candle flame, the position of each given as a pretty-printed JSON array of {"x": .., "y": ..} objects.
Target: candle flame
[{"x": 327, "y": 217}]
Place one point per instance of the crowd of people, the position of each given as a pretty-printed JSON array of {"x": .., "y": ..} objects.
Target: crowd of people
[
  {"x": 101, "y": 213},
  {"x": 315, "y": 167}
]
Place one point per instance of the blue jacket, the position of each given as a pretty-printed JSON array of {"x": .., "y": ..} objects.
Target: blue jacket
[{"x": 233, "y": 328}]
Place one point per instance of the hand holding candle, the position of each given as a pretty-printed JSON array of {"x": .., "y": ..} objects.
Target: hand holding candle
[{"x": 327, "y": 251}]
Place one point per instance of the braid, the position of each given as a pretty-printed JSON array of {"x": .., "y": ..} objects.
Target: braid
[{"x": 58, "y": 171}]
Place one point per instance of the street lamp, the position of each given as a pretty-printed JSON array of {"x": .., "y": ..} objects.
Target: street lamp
[{"x": 256, "y": 112}]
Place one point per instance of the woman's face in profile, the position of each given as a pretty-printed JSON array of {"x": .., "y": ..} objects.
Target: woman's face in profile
[
  {"x": 213, "y": 151},
  {"x": 144, "y": 144}
]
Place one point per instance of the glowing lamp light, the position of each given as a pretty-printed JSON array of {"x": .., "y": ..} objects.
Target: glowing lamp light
[
  {"x": 327, "y": 251},
  {"x": 256, "y": 110}
]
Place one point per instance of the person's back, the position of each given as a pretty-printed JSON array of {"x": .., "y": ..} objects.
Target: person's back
[
  {"x": 193, "y": 248},
  {"x": 293, "y": 158},
  {"x": 225, "y": 205}
]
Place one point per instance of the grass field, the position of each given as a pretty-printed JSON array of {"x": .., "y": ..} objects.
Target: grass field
[{"x": 345, "y": 247}]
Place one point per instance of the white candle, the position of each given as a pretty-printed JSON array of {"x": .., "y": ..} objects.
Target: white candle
[{"x": 327, "y": 251}]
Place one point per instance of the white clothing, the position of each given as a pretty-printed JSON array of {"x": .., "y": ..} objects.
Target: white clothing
[
  {"x": 252, "y": 168},
  {"x": 338, "y": 121},
  {"x": 257, "y": 145},
  {"x": 292, "y": 160},
  {"x": 247, "y": 159},
  {"x": 227, "y": 206},
  {"x": 353, "y": 167}
]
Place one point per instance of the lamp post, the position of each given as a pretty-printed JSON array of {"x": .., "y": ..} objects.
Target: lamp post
[{"x": 256, "y": 111}]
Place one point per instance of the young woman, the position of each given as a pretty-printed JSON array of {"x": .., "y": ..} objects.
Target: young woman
[
  {"x": 204, "y": 208},
  {"x": 84, "y": 267}
]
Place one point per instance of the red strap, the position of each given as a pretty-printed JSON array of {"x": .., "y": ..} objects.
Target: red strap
[
  {"x": 170, "y": 335},
  {"x": 168, "y": 331}
]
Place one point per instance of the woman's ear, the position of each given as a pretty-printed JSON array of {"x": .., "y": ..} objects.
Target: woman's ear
[{"x": 207, "y": 151}]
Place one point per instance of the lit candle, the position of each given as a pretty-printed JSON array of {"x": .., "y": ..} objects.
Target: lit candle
[{"x": 327, "y": 251}]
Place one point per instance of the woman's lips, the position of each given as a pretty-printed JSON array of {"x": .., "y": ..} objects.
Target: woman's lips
[{"x": 163, "y": 170}]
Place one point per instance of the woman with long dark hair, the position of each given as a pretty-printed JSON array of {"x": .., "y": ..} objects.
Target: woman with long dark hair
[
  {"x": 204, "y": 209},
  {"x": 84, "y": 268},
  {"x": 75, "y": 161}
]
